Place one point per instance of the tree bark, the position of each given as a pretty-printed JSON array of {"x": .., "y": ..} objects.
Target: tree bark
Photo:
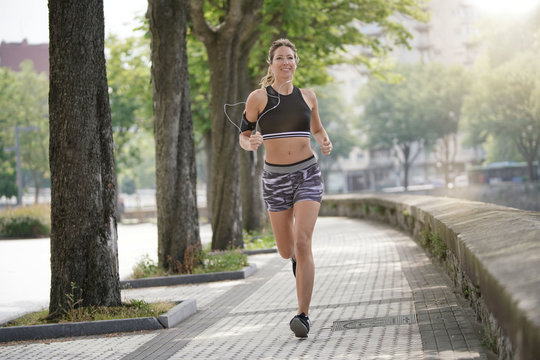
[
  {"x": 251, "y": 163},
  {"x": 225, "y": 46},
  {"x": 176, "y": 178},
  {"x": 208, "y": 151},
  {"x": 84, "y": 250}
]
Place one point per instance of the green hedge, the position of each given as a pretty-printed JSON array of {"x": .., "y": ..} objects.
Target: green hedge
[{"x": 26, "y": 222}]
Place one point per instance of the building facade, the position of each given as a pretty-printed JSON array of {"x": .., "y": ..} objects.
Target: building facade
[
  {"x": 12, "y": 54},
  {"x": 450, "y": 37}
]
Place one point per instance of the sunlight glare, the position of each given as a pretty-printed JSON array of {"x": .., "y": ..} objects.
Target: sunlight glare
[{"x": 505, "y": 6}]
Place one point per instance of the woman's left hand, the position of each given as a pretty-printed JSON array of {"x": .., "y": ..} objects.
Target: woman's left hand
[{"x": 326, "y": 146}]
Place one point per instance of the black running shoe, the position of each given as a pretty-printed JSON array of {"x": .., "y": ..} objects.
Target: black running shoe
[
  {"x": 293, "y": 267},
  {"x": 300, "y": 325}
]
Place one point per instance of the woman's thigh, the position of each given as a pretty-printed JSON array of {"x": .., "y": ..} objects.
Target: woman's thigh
[
  {"x": 282, "y": 226},
  {"x": 305, "y": 217}
]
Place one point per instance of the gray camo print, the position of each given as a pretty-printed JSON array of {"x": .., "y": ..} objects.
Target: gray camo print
[{"x": 281, "y": 191}]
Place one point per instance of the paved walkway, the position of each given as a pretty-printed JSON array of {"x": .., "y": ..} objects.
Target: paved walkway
[{"x": 376, "y": 296}]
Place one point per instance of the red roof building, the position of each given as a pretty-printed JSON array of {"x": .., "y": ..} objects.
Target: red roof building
[{"x": 12, "y": 54}]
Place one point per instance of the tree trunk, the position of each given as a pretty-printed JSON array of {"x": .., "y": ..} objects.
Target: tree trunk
[
  {"x": 84, "y": 249},
  {"x": 37, "y": 177},
  {"x": 251, "y": 165},
  {"x": 251, "y": 190},
  {"x": 226, "y": 45},
  {"x": 176, "y": 179},
  {"x": 225, "y": 206},
  {"x": 208, "y": 151},
  {"x": 406, "y": 149}
]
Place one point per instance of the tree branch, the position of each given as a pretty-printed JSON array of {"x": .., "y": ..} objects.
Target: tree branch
[
  {"x": 201, "y": 28},
  {"x": 252, "y": 19},
  {"x": 233, "y": 18}
]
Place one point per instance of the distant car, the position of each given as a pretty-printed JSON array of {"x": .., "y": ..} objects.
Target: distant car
[
  {"x": 461, "y": 180},
  {"x": 437, "y": 183}
]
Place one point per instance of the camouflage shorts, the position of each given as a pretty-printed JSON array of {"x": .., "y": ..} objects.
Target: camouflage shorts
[{"x": 283, "y": 186}]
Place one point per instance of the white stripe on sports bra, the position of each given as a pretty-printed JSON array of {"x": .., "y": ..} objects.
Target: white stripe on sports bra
[{"x": 286, "y": 135}]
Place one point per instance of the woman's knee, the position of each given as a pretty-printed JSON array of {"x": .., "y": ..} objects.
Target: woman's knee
[
  {"x": 285, "y": 253},
  {"x": 302, "y": 245},
  {"x": 285, "y": 247}
]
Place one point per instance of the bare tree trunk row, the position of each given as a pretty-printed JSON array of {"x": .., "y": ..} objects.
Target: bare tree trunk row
[
  {"x": 176, "y": 178},
  {"x": 226, "y": 45},
  {"x": 84, "y": 255}
]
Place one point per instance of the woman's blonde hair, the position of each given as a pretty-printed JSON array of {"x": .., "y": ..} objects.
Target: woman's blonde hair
[{"x": 269, "y": 78}]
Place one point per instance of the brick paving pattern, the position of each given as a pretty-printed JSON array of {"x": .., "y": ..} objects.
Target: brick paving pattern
[{"x": 376, "y": 296}]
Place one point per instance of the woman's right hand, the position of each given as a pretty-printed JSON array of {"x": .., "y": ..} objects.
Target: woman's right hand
[{"x": 255, "y": 140}]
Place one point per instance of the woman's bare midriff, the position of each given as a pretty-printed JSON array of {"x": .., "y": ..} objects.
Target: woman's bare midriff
[{"x": 287, "y": 151}]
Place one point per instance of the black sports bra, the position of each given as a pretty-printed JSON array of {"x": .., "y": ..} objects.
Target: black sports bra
[{"x": 291, "y": 118}]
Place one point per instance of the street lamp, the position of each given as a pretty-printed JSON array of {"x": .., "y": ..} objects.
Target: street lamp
[{"x": 17, "y": 148}]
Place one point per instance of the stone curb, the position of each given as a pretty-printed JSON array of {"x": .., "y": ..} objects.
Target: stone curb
[
  {"x": 188, "y": 279},
  {"x": 260, "y": 251},
  {"x": 51, "y": 331},
  {"x": 173, "y": 317},
  {"x": 178, "y": 313}
]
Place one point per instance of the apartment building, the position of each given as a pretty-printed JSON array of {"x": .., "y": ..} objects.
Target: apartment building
[{"x": 450, "y": 37}]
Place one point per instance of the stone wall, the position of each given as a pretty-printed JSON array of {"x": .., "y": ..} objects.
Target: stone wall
[
  {"x": 491, "y": 252},
  {"x": 525, "y": 196}
]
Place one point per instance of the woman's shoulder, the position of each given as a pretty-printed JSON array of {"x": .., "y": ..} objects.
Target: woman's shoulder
[
  {"x": 309, "y": 97},
  {"x": 308, "y": 93},
  {"x": 257, "y": 98}
]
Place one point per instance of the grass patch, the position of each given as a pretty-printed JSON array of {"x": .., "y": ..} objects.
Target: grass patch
[
  {"x": 433, "y": 242},
  {"x": 217, "y": 261},
  {"x": 131, "y": 309},
  {"x": 380, "y": 209},
  {"x": 146, "y": 268},
  {"x": 425, "y": 237},
  {"x": 438, "y": 246},
  {"x": 206, "y": 262},
  {"x": 26, "y": 222},
  {"x": 257, "y": 241}
]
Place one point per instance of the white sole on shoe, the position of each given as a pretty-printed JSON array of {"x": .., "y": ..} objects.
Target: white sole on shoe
[{"x": 298, "y": 328}]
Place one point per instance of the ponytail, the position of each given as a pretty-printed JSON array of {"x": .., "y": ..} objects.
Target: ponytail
[{"x": 268, "y": 79}]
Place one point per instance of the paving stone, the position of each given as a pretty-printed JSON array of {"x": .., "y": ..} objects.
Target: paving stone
[{"x": 366, "y": 273}]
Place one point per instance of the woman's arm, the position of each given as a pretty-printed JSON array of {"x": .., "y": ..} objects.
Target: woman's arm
[
  {"x": 317, "y": 128},
  {"x": 255, "y": 103}
]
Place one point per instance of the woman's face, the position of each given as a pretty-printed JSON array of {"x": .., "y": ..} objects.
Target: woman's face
[{"x": 283, "y": 64}]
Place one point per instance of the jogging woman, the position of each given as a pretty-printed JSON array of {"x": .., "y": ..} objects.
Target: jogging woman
[{"x": 292, "y": 183}]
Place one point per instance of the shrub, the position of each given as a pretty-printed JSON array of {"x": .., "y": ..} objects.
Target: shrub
[
  {"x": 146, "y": 267},
  {"x": 29, "y": 221}
]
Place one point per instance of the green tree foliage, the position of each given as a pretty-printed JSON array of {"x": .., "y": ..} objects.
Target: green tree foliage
[
  {"x": 322, "y": 31},
  {"x": 130, "y": 94},
  {"x": 23, "y": 102},
  {"x": 445, "y": 88},
  {"x": 8, "y": 176},
  {"x": 336, "y": 114},
  {"x": 328, "y": 32},
  {"x": 199, "y": 79},
  {"x": 8, "y": 186},
  {"x": 505, "y": 104},
  {"x": 414, "y": 113}
]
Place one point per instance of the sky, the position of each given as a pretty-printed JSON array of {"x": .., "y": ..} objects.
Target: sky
[
  {"x": 28, "y": 19},
  {"x": 20, "y": 19}
]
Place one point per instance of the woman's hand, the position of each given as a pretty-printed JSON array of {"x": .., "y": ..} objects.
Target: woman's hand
[
  {"x": 255, "y": 140},
  {"x": 326, "y": 146}
]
